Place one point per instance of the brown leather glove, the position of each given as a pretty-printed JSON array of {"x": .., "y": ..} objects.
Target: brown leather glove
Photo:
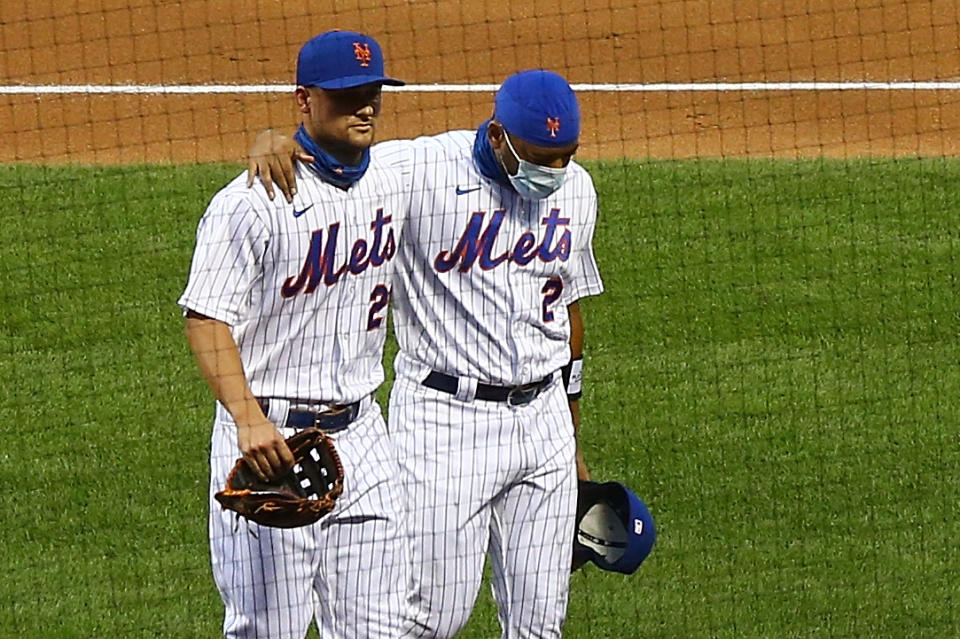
[{"x": 298, "y": 497}]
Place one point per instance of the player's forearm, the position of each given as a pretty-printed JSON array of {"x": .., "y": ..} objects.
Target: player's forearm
[
  {"x": 576, "y": 352},
  {"x": 582, "y": 471},
  {"x": 220, "y": 364},
  {"x": 576, "y": 330}
]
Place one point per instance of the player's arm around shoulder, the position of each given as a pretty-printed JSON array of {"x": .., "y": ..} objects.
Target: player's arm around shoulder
[
  {"x": 394, "y": 159},
  {"x": 272, "y": 158},
  {"x": 403, "y": 197},
  {"x": 413, "y": 158}
]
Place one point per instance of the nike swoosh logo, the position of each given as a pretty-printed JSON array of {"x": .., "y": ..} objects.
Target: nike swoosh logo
[
  {"x": 463, "y": 191},
  {"x": 297, "y": 213}
]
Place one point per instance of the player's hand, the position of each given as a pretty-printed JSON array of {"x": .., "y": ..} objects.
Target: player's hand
[
  {"x": 264, "y": 448},
  {"x": 272, "y": 157}
]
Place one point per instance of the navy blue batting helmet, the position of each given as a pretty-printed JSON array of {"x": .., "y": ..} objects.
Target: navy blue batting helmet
[{"x": 614, "y": 528}]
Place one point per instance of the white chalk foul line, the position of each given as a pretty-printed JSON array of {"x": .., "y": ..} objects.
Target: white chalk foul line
[{"x": 210, "y": 89}]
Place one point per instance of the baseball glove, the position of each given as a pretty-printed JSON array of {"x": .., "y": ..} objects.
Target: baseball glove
[{"x": 299, "y": 497}]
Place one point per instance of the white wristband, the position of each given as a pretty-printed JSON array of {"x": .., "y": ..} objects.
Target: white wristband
[{"x": 576, "y": 377}]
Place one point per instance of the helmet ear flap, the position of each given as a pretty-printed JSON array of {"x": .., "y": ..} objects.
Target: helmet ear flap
[{"x": 613, "y": 529}]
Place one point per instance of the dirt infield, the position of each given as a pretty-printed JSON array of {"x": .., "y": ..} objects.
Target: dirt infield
[{"x": 45, "y": 42}]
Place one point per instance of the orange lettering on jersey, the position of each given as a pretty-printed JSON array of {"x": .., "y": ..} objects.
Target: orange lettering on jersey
[
  {"x": 361, "y": 50},
  {"x": 553, "y": 125}
]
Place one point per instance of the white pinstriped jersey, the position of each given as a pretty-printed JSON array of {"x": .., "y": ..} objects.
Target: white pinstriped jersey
[
  {"x": 484, "y": 276},
  {"x": 303, "y": 287}
]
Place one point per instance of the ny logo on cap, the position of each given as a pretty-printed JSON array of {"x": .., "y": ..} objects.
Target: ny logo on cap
[
  {"x": 361, "y": 51},
  {"x": 553, "y": 125}
]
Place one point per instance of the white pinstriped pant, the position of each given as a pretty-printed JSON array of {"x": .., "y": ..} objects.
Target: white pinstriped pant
[
  {"x": 349, "y": 571},
  {"x": 485, "y": 478}
]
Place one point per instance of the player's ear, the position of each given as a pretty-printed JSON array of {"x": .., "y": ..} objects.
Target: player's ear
[
  {"x": 495, "y": 134},
  {"x": 302, "y": 96}
]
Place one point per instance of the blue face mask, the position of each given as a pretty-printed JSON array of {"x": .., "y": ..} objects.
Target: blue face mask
[{"x": 532, "y": 180}]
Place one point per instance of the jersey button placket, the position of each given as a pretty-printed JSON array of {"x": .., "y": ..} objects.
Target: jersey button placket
[{"x": 339, "y": 291}]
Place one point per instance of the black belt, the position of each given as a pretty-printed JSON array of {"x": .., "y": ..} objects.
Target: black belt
[
  {"x": 327, "y": 418},
  {"x": 513, "y": 395}
]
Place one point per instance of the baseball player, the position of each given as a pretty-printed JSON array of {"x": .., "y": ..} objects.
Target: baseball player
[
  {"x": 494, "y": 256},
  {"x": 285, "y": 313}
]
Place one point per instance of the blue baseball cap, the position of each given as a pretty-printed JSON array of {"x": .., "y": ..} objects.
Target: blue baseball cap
[
  {"x": 341, "y": 60},
  {"x": 538, "y": 107},
  {"x": 614, "y": 528}
]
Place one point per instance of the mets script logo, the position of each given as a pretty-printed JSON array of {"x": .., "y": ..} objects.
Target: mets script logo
[
  {"x": 361, "y": 51},
  {"x": 476, "y": 243},
  {"x": 321, "y": 262},
  {"x": 553, "y": 125}
]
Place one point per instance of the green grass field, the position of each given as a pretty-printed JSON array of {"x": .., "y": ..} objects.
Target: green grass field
[{"x": 773, "y": 368}]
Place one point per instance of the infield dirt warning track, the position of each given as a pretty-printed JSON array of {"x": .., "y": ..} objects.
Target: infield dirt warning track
[{"x": 245, "y": 42}]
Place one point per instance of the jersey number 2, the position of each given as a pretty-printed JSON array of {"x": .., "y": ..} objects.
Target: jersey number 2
[
  {"x": 379, "y": 298},
  {"x": 551, "y": 293}
]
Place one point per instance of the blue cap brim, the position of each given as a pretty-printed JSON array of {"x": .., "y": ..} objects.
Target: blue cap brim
[{"x": 352, "y": 81}]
